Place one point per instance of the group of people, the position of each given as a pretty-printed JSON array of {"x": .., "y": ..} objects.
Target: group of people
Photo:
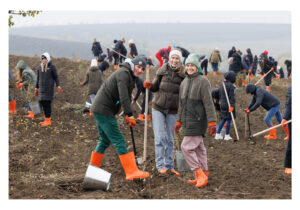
[{"x": 183, "y": 101}]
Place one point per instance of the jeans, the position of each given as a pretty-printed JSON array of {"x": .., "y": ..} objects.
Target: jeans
[
  {"x": 214, "y": 66},
  {"x": 164, "y": 139},
  {"x": 273, "y": 111},
  {"x": 227, "y": 126}
]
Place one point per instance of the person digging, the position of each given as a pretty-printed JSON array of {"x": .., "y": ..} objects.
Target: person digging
[
  {"x": 268, "y": 101},
  {"x": 116, "y": 92}
]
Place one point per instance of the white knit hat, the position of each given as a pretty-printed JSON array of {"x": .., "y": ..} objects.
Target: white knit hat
[
  {"x": 130, "y": 41},
  {"x": 176, "y": 52},
  {"x": 94, "y": 62}
]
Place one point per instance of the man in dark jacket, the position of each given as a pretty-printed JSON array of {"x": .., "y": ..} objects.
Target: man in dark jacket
[
  {"x": 121, "y": 49},
  {"x": 288, "y": 64},
  {"x": 46, "y": 76},
  {"x": 288, "y": 116},
  {"x": 236, "y": 67},
  {"x": 96, "y": 48},
  {"x": 142, "y": 89},
  {"x": 281, "y": 73},
  {"x": 250, "y": 56},
  {"x": 266, "y": 65},
  {"x": 269, "y": 102},
  {"x": 102, "y": 64},
  {"x": 230, "y": 53},
  {"x": 116, "y": 92},
  {"x": 133, "y": 51}
]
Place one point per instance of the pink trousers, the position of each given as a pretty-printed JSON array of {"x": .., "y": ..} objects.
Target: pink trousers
[{"x": 194, "y": 152}]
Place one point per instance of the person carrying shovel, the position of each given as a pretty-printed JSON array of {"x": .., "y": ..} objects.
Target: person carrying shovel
[
  {"x": 27, "y": 80},
  {"x": 268, "y": 101},
  {"x": 116, "y": 92},
  {"x": 195, "y": 113}
]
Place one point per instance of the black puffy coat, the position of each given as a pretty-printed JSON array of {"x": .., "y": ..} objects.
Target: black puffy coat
[
  {"x": 236, "y": 66},
  {"x": 185, "y": 53},
  {"x": 288, "y": 105},
  {"x": 230, "y": 79},
  {"x": 96, "y": 48},
  {"x": 119, "y": 47},
  {"x": 45, "y": 82},
  {"x": 261, "y": 97},
  {"x": 133, "y": 50}
]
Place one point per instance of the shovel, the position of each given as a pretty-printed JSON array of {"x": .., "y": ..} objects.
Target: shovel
[
  {"x": 138, "y": 160},
  {"x": 250, "y": 139}
]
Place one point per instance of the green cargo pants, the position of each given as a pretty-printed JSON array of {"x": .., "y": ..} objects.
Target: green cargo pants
[{"x": 109, "y": 132}]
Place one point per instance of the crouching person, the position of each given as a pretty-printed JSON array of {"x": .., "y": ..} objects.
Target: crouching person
[
  {"x": 114, "y": 93},
  {"x": 269, "y": 102},
  {"x": 44, "y": 88},
  {"x": 195, "y": 111}
]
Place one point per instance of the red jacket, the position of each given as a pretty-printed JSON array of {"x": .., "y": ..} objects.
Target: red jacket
[{"x": 163, "y": 52}]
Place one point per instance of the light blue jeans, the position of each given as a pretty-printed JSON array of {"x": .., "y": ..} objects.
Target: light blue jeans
[
  {"x": 273, "y": 111},
  {"x": 163, "y": 127}
]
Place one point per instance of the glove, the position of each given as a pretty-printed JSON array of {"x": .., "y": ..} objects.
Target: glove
[
  {"x": 20, "y": 86},
  {"x": 36, "y": 92},
  {"x": 247, "y": 111},
  {"x": 130, "y": 121},
  {"x": 249, "y": 71},
  {"x": 59, "y": 90},
  {"x": 81, "y": 84},
  {"x": 177, "y": 126},
  {"x": 282, "y": 123},
  {"x": 147, "y": 84},
  {"x": 17, "y": 83},
  {"x": 277, "y": 76},
  {"x": 133, "y": 101},
  {"x": 230, "y": 109},
  {"x": 212, "y": 128}
]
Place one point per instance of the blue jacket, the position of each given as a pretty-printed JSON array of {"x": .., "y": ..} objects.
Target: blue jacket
[
  {"x": 261, "y": 97},
  {"x": 288, "y": 105},
  {"x": 246, "y": 64}
]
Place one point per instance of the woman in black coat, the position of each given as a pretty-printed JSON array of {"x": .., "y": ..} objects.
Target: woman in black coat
[
  {"x": 230, "y": 78},
  {"x": 44, "y": 88},
  {"x": 288, "y": 116}
]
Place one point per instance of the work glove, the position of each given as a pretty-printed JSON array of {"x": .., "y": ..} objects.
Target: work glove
[
  {"x": 20, "y": 86},
  {"x": 36, "y": 92},
  {"x": 147, "y": 84},
  {"x": 81, "y": 84},
  {"x": 282, "y": 123},
  {"x": 212, "y": 128},
  {"x": 177, "y": 126},
  {"x": 130, "y": 121},
  {"x": 277, "y": 76},
  {"x": 247, "y": 111},
  {"x": 59, "y": 90},
  {"x": 249, "y": 71},
  {"x": 18, "y": 82},
  {"x": 230, "y": 109}
]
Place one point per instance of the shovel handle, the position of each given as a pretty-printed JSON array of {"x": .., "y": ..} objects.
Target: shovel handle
[
  {"x": 133, "y": 142},
  {"x": 264, "y": 131}
]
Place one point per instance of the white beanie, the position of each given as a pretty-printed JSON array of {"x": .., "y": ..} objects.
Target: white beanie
[
  {"x": 130, "y": 41},
  {"x": 176, "y": 52},
  {"x": 94, "y": 62}
]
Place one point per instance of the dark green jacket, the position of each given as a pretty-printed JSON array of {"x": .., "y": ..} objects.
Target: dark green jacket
[
  {"x": 115, "y": 91},
  {"x": 196, "y": 106},
  {"x": 166, "y": 86},
  {"x": 28, "y": 75},
  {"x": 94, "y": 80}
]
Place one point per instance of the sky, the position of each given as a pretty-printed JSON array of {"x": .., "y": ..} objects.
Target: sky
[{"x": 97, "y": 17}]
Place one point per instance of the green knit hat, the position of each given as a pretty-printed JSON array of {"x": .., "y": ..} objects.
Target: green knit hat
[{"x": 193, "y": 58}]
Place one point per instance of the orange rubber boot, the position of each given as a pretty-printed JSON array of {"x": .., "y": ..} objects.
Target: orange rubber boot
[
  {"x": 288, "y": 171},
  {"x": 163, "y": 171},
  {"x": 175, "y": 172},
  {"x": 215, "y": 73},
  {"x": 205, "y": 76},
  {"x": 46, "y": 122},
  {"x": 141, "y": 117},
  {"x": 30, "y": 115},
  {"x": 130, "y": 167},
  {"x": 194, "y": 181},
  {"x": 96, "y": 159},
  {"x": 149, "y": 117},
  {"x": 244, "y": 83},
  {"x": 272, "y": 134},
  {"x": 12, "y": 107},
  {"x": 115, "y": 67},
  {"x": 286, "y": 130},
  {"x": 91, "y": 113},
  {"x": 201, "y": 178},
  {"x": 268, "y": 88}
]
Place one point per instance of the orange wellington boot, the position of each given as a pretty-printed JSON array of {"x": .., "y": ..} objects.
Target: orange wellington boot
[
  {"x": 96, "y": 159},
  {"x": 141, "y": 117},
  {"x": 215, "y": 73},
  {"x": 205, "y": 76},
  {"x": 12, "y": 107},
  {"x": 288, "y": 171},
  {"x": 30, "y": 115},
  {"x": 46, "y": 122},
  {"x": 175, "y": 172},
  {"x": 91, "y": 113},
  {"x": 286, "y": 130},
  {"x": 130, "y": 167},
  {"x": 268, "y": 88},
  {"x": 272, "y": 134},
  {"x": 201, "y": 178},
  {"x": 115, "y": 67},
  {"x": 163, "y": 171},
  {"x": 244, "y": 83},
  {"x": 149, "y": 117},
  {"x": 194, "y": 181}
]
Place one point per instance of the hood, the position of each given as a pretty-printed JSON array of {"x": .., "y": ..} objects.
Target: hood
[
  {"x": 21, "y": 65},
  {"x": 94, "y": 63},
  {"x": 47, "y": 55},
  {"x": 250, "y": 88},
  {"x": 233, "y": 48},
  {"x": 230, "y": 76},
  {"x": 128, "y": 60}
]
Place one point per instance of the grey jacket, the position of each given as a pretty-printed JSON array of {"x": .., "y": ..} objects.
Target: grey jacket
[
  {"x": 28, "y": 75},
  {"x": 196, "y": 106},
  {"x": 115, "y": 92},
  {"x": 94, "y": 80}
]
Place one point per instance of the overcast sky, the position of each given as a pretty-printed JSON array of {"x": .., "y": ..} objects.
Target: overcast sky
[{"x": 92, "y": 17}]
